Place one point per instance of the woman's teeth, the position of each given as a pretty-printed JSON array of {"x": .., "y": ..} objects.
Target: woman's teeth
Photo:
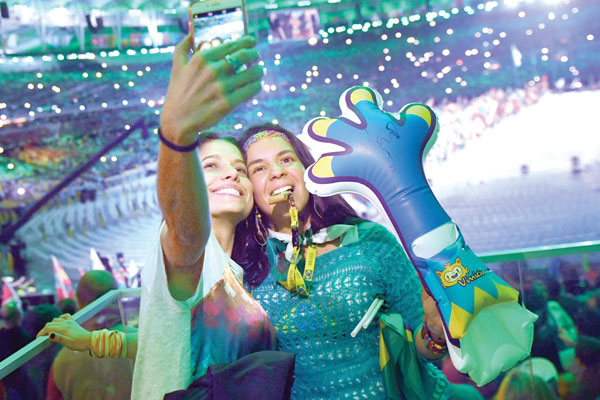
[
  {"x": 280, "y": 195},
  {"x": 228, "y": 191},
  {"x": 281, "y": 190}
]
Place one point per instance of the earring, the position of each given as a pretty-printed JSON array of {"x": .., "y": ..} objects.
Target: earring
[{"x": 260, "y": 228}]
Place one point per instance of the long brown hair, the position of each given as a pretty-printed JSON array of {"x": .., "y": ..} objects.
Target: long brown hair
[{"x": 323, "y": 212}]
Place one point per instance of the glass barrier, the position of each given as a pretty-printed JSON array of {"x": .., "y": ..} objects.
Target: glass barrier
[
  {"x": 24, "y": 374},
  {"x": 557, "y": 282}
]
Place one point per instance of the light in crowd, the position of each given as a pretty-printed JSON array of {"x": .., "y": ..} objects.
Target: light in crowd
[
  {"x": 98, "y": 74},
  {"x": 259, "y": 114},
  {"x": 238, "y": 126},
  {"x": 10, "y": 166},
  {"x": 82, "y": 107},
  {"x": 27, "y": 105},
  {"x": 275, "y": 122},
  {"x": 40, "y": 85},
  {"x": 114, "y": 158},
  {"x": 21, "y": 191},
  {"x": 30, "y": 86},
  {"x": 125, "y": 102},
  {"x": 124, "y": 67},
  {"x": 1, "y": 149},
  {"x": 322, "y": 113},
  {"x": 32, "y": 113},
  {"x": 104, "y": 105},
  {"x": 590, "y": 37},
  {"x": 151, "y": 103},
  {"x": 302, "y": 107}
]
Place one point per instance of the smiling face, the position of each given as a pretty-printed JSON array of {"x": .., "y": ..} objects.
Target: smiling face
[
  {"x": 229, "y": 189},
  {"x": 274, "y": 166}
]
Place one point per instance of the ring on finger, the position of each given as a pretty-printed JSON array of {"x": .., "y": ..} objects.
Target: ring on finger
[{"x": 233, "y": 63}]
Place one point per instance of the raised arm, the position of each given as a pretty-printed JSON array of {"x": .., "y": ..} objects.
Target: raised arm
[{"x": 202, "y": 90}]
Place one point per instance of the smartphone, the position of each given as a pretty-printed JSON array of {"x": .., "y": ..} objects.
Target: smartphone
[{"x": 213, "y": 22}]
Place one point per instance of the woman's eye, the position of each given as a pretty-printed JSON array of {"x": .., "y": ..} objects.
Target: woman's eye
[
  {"x": 287, "y": 160},
  {"x": 258, "y": 169},
  {"x": 210, "y": 165},
  {"x": 242, "y": 170}
]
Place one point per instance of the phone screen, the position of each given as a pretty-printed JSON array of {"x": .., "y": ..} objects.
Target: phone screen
[{"x": 212, "y": 28}]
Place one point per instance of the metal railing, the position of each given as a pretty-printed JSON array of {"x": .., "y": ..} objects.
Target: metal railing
[
  {"x": 34, "y": 348},
  {"x": 40, "y": 344}
]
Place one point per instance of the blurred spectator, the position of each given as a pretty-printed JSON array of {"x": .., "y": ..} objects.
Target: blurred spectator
[
  {"x": 586, "y": 319},
  {"x": 18, "y": 384},
  {"x": 67, "y": 306},
  {"x": 586, "y": 369},
  {"x": 543, "y": 368},
  {"x": 39, "y": 366},
  {"x": 518, "y": 385},
  {"x": 545, "y": 336},
  {"x": 567, "y": 331},
  {"x": 76, "y": 375}
]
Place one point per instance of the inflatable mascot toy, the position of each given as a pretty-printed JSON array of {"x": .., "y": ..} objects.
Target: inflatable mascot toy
[{"x": 380, "y": 156}]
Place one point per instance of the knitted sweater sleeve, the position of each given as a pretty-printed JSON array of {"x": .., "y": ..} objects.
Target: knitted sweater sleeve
[{"x": 400, "y": 283}]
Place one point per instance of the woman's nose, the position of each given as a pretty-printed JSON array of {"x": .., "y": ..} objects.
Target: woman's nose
[
  {"x": 231, "y": 173},
  {"x": 276, "y": 171}
]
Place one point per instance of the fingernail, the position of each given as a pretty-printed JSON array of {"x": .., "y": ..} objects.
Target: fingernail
[{"x": 52, "y": 336}]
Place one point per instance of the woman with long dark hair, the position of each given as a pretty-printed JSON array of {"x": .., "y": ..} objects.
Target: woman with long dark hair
[
  {"x": 320, "y": 268},
  {"x": 195, "y": 313}
]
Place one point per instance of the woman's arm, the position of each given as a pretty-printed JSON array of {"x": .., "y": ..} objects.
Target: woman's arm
[
  {"x": 66, "y": 331},
  {"x": 434, "y": 325},
  {"x": 202, "y": 90}
]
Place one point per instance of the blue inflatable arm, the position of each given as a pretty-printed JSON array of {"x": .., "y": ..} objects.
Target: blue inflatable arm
[{"x": 380, "y": 156}]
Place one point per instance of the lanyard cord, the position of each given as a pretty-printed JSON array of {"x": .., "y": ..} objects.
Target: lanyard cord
[{"x": 295, "y": 281}]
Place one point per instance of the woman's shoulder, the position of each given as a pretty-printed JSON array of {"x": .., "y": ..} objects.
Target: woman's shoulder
[{"x": 369, "y": 230}]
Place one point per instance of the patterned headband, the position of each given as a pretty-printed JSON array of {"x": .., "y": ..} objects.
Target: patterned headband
[{"x": 269, "y": 133}]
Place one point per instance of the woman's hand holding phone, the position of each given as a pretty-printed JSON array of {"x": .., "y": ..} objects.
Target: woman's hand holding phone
[{"x": 205, "y": 87}]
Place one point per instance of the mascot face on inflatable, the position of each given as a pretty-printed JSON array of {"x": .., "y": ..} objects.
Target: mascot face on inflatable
[{"x": 452, "y": 273}]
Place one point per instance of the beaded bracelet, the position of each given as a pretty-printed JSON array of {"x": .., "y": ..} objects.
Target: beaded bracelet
[
  {"x": 173, "y": 146},
  {"x": 430, "y": 344}
]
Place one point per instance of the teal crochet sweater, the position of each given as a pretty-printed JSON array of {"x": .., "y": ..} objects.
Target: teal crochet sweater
[{"x": 330, "y": 364}]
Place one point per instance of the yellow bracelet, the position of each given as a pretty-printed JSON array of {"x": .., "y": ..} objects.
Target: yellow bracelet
[{"x": 105, "y": 343}]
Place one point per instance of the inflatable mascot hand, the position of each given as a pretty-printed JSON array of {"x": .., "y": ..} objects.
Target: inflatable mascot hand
[{"x": 380, "y": 156}]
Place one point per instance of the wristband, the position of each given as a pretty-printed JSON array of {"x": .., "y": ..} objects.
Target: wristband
[{"x": 173, "y": 146}]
